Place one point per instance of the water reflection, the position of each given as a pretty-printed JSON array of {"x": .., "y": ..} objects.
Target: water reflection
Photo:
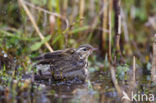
[{"x": 100, "y": 91}]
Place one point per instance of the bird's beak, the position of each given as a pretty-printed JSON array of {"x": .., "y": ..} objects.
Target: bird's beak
[{"x": 94, "y": 49}]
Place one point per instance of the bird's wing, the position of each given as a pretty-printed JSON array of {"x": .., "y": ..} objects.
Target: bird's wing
[
  {"x": 63, "y": 60},
  {"x": 54, "y": 55},
  {"x": 48, "y": 55}
]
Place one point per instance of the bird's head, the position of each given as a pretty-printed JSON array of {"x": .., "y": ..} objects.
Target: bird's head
[{"x": 85, "y": 50}]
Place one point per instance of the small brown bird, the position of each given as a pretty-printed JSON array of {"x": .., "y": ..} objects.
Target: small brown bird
[{"x": 65, "y": 64}]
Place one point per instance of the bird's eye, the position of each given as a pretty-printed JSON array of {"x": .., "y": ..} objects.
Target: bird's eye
[{"x": 84, "y": 49}]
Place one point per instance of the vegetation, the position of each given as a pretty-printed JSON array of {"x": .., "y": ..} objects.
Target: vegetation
[{"x": 123, "y": 30}]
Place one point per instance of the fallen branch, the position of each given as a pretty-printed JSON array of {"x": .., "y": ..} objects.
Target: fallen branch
[{"x": 34, "y": 24}]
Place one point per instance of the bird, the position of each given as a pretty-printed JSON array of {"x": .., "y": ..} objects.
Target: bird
[{"x": 67, "y": 64}]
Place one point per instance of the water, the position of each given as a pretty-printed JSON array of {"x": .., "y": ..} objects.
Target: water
[{"x": 98, "y": 90}]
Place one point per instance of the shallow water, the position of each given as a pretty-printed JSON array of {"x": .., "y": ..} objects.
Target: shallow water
[{"x": 99, "y": 89}]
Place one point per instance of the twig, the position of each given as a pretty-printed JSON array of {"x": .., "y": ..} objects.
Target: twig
[{"x": 34, "y": 24}]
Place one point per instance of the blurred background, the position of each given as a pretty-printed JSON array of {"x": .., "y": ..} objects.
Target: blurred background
[{"x": 120, "y": 29}]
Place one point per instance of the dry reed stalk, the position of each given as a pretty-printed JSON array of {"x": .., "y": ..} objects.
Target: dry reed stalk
[
  {"x": 132, "y": 81},
  {"x": 102, "y": 98},
  {"x": 81, "y": 15},
  {"x": 52, "y": 22},
  {"x": 153, "y": 70},
  {"x": 81, "y": 12},
  {"x": 74, "y": 3},
  {"x": 153, "y": 23},
  {"x": 116, "y": 4},
  {"x": 104, "y": 26},
  {"x": 124, "y": 25},
  {"x": 34, "y": 24},
  {"x": 64, "y": 13},
  {"x": 134, "y": 69},
  {"x": 92, "y": 8},
  {"x": 65, "y": 6},
  {"x": 110, "y": 30}
]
